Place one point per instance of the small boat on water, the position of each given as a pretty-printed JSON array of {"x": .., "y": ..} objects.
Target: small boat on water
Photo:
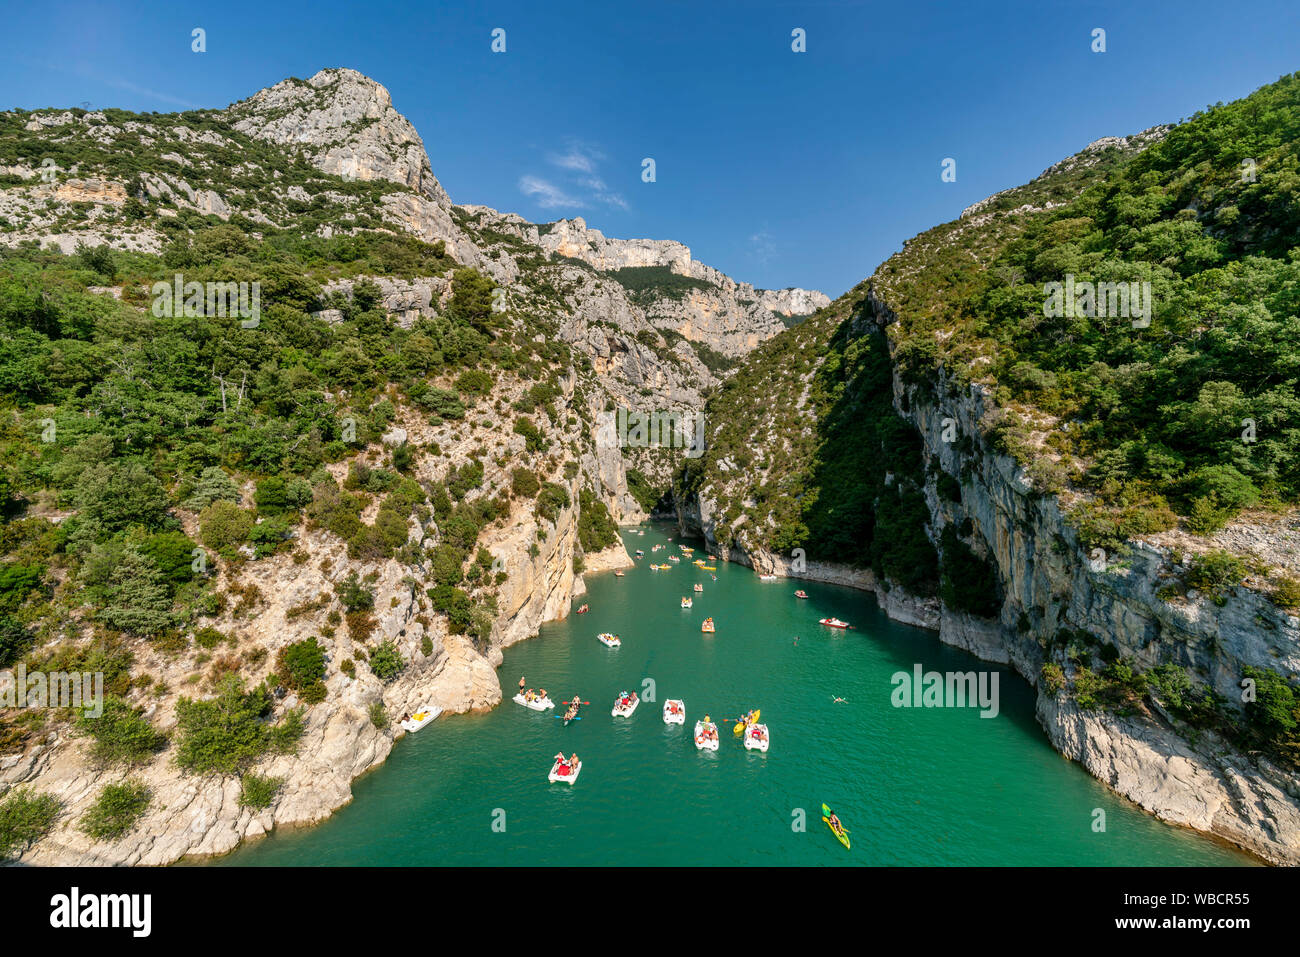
[
  {"x": 833, "y": 623},
  {"x": 673, "y": 558},
  {"x": 750, "y": 718},
  {"x": 699, "y": 562},
  {"x": 757, "y": 738},
  {"x": 535, "y": 703},
  {"x": 583, "y": 610},
  {"x": 699, "y": 587},
  {"x": 674, "y": 711},
  {"x": 561, "y": 772},
  {"x": 801, "y": 594},
  {"x": 640, "y": 553},
  {"x": 841, "y": 833},
  {"x": 686, "y": 603},
  {"x": 709, "y": 568},
  {"x": 421, "y": 717},
  {"x": 625, "y": 704},
  {"x": 608, "y": 640},
  {"x": 571, "y": 709},
  {"x": 706, "y": 736},
  {"x": 618, "y": 573},
  {"x": 767, "y": 578},
  {"x": 707, "y": 626}
]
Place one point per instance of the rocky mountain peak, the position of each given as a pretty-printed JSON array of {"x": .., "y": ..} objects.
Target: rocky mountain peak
[{"x": 346, "y": 124}]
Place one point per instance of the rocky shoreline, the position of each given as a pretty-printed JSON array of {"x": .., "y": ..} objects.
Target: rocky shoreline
[
  {"x": 1247, "y": 802},
  {"x": 194, "y": 817}
]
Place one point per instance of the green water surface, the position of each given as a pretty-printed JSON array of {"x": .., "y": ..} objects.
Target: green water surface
[{"x": 915, "y": 786}]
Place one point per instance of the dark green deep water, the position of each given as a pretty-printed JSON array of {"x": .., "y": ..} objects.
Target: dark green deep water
[{"x": 915, "y": 786}]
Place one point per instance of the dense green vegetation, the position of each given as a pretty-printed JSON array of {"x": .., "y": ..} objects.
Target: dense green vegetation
[
  {"x": 596, "y": 529},
  {"x": 257, "y": 791},
  {"x": 1197, "y": 415},
  {"x": 121, "y": 735},
  {"x": 24, "y": 819},
  {"x": 645, "y": 283},
  {"x": 841, "y": 477},
  {"x": 227, "y": 733},
  {"x": 116, "y": 811}
]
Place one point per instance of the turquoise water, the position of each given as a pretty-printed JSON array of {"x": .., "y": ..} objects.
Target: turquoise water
[{"x": 915, "y": 786}]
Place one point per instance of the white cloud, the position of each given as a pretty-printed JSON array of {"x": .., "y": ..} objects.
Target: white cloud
[
  {"x": 548, "y": 195},
  {"x": 762, "y": 246},
  {"x": 579, "y": 184},
  {"x": 576, "y": 159}
]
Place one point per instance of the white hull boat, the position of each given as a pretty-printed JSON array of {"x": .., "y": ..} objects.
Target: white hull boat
[
  {"x": 570, "y": 775},
  {"x": 701, "y": 742},
  {"x": 421, "y": 717},
  {"x": 537, "y": 704},
  {"x": 674, "y": 717},
  {"x": 609, "y": 641},
  {"x": 625, "y": 710},
  {"x": 757, "y": 738}
]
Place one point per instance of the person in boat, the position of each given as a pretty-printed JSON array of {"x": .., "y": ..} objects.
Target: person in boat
[
  {"x": 560, "y": 760},
  {"x": 573, "y": 759},
  {"x": 521, "y": 684},
  {"x": 835, "y": 822},
  {"x": 541, "y": 694}
]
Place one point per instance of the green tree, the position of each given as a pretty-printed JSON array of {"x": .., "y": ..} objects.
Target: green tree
[{"x": 116, "y": 811}]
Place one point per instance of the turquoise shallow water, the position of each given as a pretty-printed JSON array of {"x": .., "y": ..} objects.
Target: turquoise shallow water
[{"x": 916, "y": 786}]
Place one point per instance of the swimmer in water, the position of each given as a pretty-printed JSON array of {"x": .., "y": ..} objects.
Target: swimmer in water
[{"x": 838, "y": 700}]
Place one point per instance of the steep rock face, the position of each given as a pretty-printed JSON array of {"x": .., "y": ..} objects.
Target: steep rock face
[
  {"x": 793, "y": 302},
  {"x": 345, "y": 123},
  {"x": 1053, "y": 585},
  {"x": 731, "y": 317}
]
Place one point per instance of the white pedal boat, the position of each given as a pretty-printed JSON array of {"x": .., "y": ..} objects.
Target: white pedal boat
[
  {"x": 757, "y": 738},
  {"x": 610, "y": 641},
  {"x": 671, "y": 717},
  {"x": 537, "y": 704},
  {"x": 570, "y": 775},
  {"x": 421, "y": 717},
  {"x": 625, "y": 710},
  {"x": 687, "y": 602},
  {"x": 701, "y": 742}
]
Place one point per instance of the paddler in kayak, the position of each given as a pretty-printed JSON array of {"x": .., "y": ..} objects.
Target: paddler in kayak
[{"x": 835, "y": 822}]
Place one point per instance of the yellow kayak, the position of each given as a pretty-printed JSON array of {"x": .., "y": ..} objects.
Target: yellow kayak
[
  {"x": 841, "y": 835},
  {"x": 740, "y": 725}
]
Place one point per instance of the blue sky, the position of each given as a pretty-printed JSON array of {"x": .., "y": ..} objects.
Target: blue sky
[{"x": 777, "y": 167}]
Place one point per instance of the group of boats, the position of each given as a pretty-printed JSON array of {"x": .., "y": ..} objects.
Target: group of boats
[
  {"x": 748, "y": 729},
  {"x": 754, "y": 736}
]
